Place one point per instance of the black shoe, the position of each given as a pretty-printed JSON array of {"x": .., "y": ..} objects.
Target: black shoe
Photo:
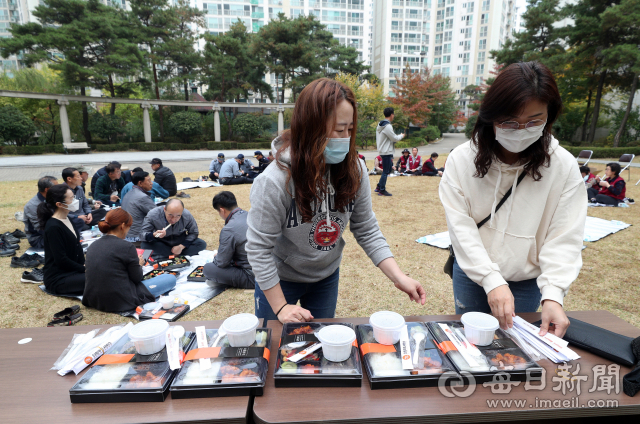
[
  {"x": 9, "y": 238},
  {"x": 9, "y": 246},
  {"x": 5, "y": 251},
  {"x": 38, "y": 258},
  {"x": 24, "y": 262},
  {"x": 36, "y": 276},
  {"x": 384, "y": 193},
  {"x": 19, "y": 234},
  {"x": 183, "y": 195}
]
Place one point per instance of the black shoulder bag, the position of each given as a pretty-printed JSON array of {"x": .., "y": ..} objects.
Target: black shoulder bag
[{"x": 448, "y": 266}]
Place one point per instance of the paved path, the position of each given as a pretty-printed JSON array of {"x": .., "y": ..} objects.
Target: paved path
[{"x": 24, "y": 168}]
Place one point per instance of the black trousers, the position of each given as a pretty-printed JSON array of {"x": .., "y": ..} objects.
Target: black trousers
[
  {"x": 592, "y": 193},
  {"x": 97, "y": 215},
  {"x": 212, "y": 177},
  {"x": 236, "y": 180},
  {"x": 163, "y": 250},
  {"x": 71, "y": 285}
]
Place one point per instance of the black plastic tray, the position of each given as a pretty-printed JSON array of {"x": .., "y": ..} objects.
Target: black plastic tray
[
  {"x": 196, "y": 279},
  {"x": 184, "y": 391},
  {"x": 317, "y": 379}
]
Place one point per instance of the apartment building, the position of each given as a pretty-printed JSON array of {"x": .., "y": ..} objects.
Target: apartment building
[{"x": 451, "y": 37}]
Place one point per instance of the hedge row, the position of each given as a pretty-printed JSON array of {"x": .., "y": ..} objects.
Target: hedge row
[
  {"x": 31, "y": 150},
  {"x": 152, "y": 147},
  {"x": 604, "y": 152}
]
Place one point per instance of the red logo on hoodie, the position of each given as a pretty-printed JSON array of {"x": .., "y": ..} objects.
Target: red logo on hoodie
[{"x": 323, "y": 236}]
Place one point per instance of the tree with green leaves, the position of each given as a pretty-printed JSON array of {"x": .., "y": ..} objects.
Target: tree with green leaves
[
  {"x": 185, "y": 60},
  {"x": 301, "y": 50},
  {"x": 624, "y": 55},
  {"x": 186, "y": 124},
  {"x": 155, "y": 25},
  {"x": 231, "y": 71},
  {"x": 15, "y": 127},
  {"x": 248, "y": 125}
]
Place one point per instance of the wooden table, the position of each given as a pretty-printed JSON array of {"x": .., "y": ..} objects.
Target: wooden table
[
  {"x": 30, "y": 393},
  {"x": 428, "y": 405}
]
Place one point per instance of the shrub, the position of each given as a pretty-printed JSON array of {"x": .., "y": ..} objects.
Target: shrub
[
  {"x": 14, "y": 125},
  {"x": 185, "y": 125},
  {"x": 604, "y": 152},
  {"x": 248, "y": 125},
  {"x": 105, "y": 126}
]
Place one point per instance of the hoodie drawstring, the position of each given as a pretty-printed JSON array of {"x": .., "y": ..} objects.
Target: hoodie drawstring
[
  {"x": 495, "y": 195},
  {"x": 330, "y": 191},
  {"x": 513, "y": 195}
]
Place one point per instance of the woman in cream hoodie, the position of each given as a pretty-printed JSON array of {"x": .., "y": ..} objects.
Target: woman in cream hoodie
[{"x": 529, "y": 252}]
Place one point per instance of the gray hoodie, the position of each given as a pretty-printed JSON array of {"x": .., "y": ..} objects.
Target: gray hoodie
[
  {"x": 280, "y": 246},
  {"x": 386, "y": 139}
]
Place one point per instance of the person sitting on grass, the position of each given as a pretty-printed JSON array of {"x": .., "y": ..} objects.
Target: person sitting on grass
[
  {"x": 611, "y": 190},
  {"x": 377, "y": 166},
  {"x": 99, "y": 173},
  {"x": 114, "y": 269},
  {"x": 138, "y": 203},
  {"x": 86, "y": 213},
  {"x": 35, "y": 234},
  {"x": 401, "y": 165},
  {"x": 64, "y": 271},
  {"x": 587, "y": 176},
  {"x": 171, "y": 230},
  {"x": 230, "y": 265},
  {"x": 109, "y": 186},
  {"x": 214, "y": 167},
  {"x": 429, "y": 168},
  {"x": 414, "y": 162},
  {"x": 231, "y": 174},
  {"x": 156, "y": 189}
]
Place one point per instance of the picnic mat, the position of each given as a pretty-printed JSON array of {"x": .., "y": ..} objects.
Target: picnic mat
[
  {"x": 594, "y": 230},
  {"x": 195, "y": 293},
  {"x": 598, "y": 205},
  {"x": 186, "y": 185}
]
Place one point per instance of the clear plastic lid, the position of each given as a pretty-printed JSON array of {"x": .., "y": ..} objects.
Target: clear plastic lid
[
  {"x": 336, "y": 335},
  {"x": 240, "y": 323},
  {"x": 148, "y": 329},
  {"x": 387, "y": 320},
  {"x": 481, "y": 321}
]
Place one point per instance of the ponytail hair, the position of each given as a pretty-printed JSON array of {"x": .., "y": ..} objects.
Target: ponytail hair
[
  {"x": 46, "y": 209},
  {"x": 115, "y": 218}
]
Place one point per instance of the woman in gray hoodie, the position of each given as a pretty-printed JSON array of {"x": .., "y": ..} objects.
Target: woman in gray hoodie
[{"x": 301, "y": 207}]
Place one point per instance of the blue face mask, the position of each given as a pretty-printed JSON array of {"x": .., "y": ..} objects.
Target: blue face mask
[{"x": 336, "y": 150}]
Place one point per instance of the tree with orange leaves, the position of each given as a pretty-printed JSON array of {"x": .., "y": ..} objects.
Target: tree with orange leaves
[{"x": 425, "y": 99}]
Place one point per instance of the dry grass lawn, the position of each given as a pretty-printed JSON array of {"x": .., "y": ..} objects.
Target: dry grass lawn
[{"x": 609, "y": 278}]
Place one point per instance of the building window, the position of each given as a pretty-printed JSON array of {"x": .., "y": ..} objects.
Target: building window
[
  {"x": 447, "y": 48},
  {"x": 448, "y": 24},
  {"x": 484, "y": 18},
  {"x": 482, "y": 44},
  {"x": 465, "y": 57},
  {"x": 467, "y": 32},
  {"x": 480, "y": 69},
  {"x": 486, "y": 5},
  {"x": 483, "y": 31},
  {"x": 448, "y": 11},
  {"x": 446, "y": 59},
  {"x": 439, "y": 26},
  {"x": 448, "y": 35},
  {"x": 479, "y": 80},
  {"x": 437, "y": 61},
  {"x": 467, "y": 45},
  {"x": 465, "y": 69},
  {"x": 481, "y": 56},
  {"x": 445, "y": 71}
]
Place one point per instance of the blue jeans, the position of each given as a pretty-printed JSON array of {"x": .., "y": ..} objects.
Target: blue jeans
[
  {"x": 319, "y": 298},
  {"x": 471, "y": 297},
  {"x": 161, "y": 284},
  {"x": 387, "y": 163}
]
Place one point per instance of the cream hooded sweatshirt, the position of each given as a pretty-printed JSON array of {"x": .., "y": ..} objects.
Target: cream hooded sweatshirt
[{"x": 538, "y": 231}]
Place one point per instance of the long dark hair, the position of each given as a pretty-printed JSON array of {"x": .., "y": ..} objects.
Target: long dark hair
[
  {"x": 306, "y": 141},
  {"x": 46, "y": 209},
  {"x": 506, "y": 98}
]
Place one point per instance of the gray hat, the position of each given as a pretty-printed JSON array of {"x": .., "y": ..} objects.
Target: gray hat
[{"x": 81, "y": 168}]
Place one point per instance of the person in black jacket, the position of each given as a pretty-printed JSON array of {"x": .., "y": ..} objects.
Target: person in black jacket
[
  {"x": 63, "y": 257},
  {"x": 99, "y": 173},
  {"x": 164, "y": 176},
  {"x": 114, "y": 270},
  {"x": 262, "y": 162},
  {"x": 230, "y": 265}
]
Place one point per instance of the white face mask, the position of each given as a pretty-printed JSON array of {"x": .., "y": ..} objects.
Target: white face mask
[
  {"x": 74, "y": 206},
  {"x": 518, "y": 140}
]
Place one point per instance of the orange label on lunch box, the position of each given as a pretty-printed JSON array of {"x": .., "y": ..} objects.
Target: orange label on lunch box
[
  {"x": 355, "y": 344},
  {"x": 376, "y": 348},
  {"x": 159, "y": 314},
  {"x": 215, "y": 352},
  {"x": 116, "y": 358},
  {"x": 446, "y": 346}
]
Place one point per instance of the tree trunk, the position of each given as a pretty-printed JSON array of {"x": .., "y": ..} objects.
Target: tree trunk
[
  {"x": 228, "y": 121},
  {"x": 596, "y": 107},
  {"x": 112, "y": 90},
  {"x": 85, "y": 117},
  {"x": 634, "y": 87},
  {"x": 160, "y": 111},
  {"x": 186, "y": 93},
  {"x": 583, "y": 136}
]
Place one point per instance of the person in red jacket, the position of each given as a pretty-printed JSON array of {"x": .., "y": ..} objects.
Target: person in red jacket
[
  {"x": 610, "y": 191},
  {"x": 401, "y": 165},
  {"x": 429, "y": 168},
  {"x": 589, "y": 178},
  {"x": 414, "y": 162}
]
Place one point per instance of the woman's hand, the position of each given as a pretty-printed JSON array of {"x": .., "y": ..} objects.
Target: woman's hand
[
  {"x": 141, "y": 260},
  {"x": 604, "y": 184},
  {"x": 294, "y": 313},
  {"x": 554, "y": 320},
  {"x": 412, "y": 288},
  {"x": 502, "y": 305}
]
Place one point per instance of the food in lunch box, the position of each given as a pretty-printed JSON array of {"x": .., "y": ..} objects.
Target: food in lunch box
[
  {"x": 302, "y": 330},
  {"x": 108, "y": 377},
  {"x": 386, "y": 364},
  {"x": 148, "y": 380},
  {"x": 197, "y": 273}
]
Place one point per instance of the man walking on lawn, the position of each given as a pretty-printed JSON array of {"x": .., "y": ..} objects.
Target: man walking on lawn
[{"x": 386, "y": 140}]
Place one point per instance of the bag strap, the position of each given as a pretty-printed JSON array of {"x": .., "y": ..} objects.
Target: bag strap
[{"x": 504, "y": 199}]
